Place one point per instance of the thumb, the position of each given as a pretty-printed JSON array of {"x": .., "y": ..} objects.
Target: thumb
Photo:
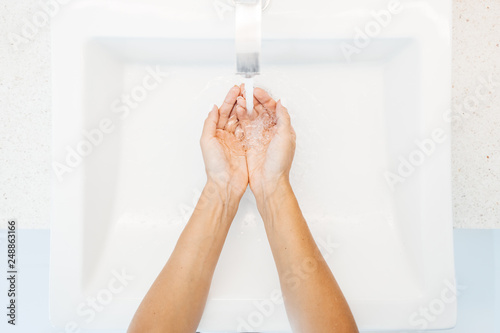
[
  {"x": 283, "y": 118},
  {"x": 210, "y": 126}
]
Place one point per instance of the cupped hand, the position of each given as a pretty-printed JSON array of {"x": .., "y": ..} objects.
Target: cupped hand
[
  {"x": 269, "y": 140},
  {"x": 222, "y": 147}
]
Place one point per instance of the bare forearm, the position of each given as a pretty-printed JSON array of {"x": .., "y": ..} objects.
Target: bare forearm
[
  {"x": 176, "y": 300},
  {"x": 313, "y": 299}
]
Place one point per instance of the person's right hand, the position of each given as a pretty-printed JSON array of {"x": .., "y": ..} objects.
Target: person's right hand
[
  {"x": 222, "y": 149},
  {"x": 269, "y": 140}
]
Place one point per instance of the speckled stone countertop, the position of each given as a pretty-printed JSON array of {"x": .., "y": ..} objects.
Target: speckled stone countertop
[
  {"x": 25, "y": 170},
  {"x": 25, "y": 135},
  {"x": 476, "y": 139}
]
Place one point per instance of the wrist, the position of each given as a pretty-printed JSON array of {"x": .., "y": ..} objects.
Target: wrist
[
  {"x": 272, "y": 194},
  {"x": 270, "y": 187},
  {"x": 222, "y": 192},
  {"x": 218, "y": 202}
]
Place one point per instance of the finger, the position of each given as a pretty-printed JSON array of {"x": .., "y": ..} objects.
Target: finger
[
  {"x": 210, "y": 126},
  {"x": 258, "y": 108},
  {"x": 227, "y": 106},
  {"x": 233, "y": 110},
  {"x": 243, "y": 90},
  {"x": 241, "y": 109},
  {"x": 264, "y": 99},
  {"x": 232, "y": 118},
  {"x": 243, "y": 120},
  {"x": 241, "y": 113},
  {"x": 283, "y": 117},
  {"x": 232, "y": 123},
  {"x": 241, "y": 102}
]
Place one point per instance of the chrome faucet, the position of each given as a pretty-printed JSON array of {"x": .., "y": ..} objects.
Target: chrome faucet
[{"x": 248, "y": 37}]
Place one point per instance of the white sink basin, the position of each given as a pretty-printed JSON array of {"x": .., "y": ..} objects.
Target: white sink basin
[{"x": 122, "y": 207}]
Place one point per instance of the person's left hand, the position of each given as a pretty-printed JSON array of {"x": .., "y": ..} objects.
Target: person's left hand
[
  {"x": 270, "y": 142},
  {"x": 222, "y": 148}
]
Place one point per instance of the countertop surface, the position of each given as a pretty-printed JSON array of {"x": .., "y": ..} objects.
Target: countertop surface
[
  {"x": 476, "y": 134},
  {"x": 25, "y": 115}
]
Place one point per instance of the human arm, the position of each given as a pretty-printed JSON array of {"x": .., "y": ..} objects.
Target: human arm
[
  {"x": 314, "y": 301},
  {"x": 175, "y": 301}
]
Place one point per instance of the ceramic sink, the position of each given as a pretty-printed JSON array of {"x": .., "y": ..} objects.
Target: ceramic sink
[{"x": 133, "y": 82}]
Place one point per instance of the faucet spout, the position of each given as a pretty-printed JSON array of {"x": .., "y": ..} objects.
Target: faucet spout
[{"x": 248, "y": 37}]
